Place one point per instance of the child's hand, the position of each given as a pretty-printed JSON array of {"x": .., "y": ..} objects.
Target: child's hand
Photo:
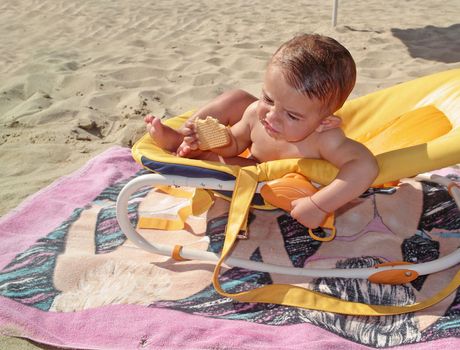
[
  {"x": 306, "y": 213},
  {"x": 190, "y": 142}
]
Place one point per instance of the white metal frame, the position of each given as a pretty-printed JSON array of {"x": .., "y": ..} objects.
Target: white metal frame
[{"x": 196, "y": 254}]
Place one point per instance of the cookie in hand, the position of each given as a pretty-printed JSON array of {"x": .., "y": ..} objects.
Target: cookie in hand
[{"x": 211, "y": 134}]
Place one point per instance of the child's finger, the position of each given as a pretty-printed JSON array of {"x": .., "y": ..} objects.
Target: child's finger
[
  {"x": 186, "y": 131},
  {"x": 191, "y": 141},
  {"x": 148, "y": 118},
  {"x": 190, "y": 123},
  {"x": 183, "y": 151}
]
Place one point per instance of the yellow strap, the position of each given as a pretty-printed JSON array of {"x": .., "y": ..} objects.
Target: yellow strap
[
  {"x": 200, "y": 201},
  {"x": 291, "y": 295},
  {"x": 176, "y": 253},
  {"x": 300, "y": 297}
]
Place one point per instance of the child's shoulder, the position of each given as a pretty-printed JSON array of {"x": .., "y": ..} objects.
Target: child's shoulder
[
  {"x": 334, "y": 136},
  {"x": 250, "y": 114},
  {"x": 334, "y": 142},
  {"x": 252, "y": 108}
]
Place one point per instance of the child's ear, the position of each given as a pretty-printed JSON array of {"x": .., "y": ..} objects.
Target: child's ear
[{"x": 330, "y": 122}]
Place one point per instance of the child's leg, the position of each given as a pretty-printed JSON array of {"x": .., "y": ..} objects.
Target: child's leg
[{"x": 228, "y": 108}]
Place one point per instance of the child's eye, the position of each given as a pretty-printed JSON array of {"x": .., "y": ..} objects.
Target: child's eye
[
  {"x": 292, "y": 117},
  {"x": 267, "y": 99}
]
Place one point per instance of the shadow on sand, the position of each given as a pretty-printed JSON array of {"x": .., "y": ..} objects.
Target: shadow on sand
[{"x": 432, "y": 43}]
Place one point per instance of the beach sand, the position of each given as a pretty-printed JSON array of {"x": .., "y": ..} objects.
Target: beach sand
[{"x": 78, "y": 77}]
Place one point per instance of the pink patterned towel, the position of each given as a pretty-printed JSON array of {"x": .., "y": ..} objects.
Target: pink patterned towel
[{"x": 70, "y": 278}]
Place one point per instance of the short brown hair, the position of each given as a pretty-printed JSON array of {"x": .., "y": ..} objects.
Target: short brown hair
[{"x": 318, "y": 66}]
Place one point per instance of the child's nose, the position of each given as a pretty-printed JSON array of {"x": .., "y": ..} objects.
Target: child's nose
[{"x": 272, "y": 114}]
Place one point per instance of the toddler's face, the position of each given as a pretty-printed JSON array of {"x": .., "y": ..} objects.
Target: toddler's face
[{"x": 285, "y": 113}]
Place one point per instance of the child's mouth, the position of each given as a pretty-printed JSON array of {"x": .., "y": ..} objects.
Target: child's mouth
[{"x": 270, "y": 129}]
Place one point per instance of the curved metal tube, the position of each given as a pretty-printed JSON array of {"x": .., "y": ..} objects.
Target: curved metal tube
[{"x": 196, "y": 254}]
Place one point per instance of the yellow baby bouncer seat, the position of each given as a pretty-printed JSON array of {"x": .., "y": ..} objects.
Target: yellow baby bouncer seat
[{"x": 412, "y": 128}]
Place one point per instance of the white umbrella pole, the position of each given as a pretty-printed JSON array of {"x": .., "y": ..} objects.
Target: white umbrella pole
[{"x": 335, "y": 6}]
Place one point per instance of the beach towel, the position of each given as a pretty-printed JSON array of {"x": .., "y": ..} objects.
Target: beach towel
[{"x": 70, "y": 278}]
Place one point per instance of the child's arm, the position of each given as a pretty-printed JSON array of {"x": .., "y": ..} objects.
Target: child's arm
[{"x": 357, "y": 171}]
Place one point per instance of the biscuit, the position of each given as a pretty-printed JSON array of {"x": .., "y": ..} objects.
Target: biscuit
[{"x": 211, "y": 133}]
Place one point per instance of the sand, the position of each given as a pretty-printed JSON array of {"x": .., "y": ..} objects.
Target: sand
[{"x": 78, "y": 77}]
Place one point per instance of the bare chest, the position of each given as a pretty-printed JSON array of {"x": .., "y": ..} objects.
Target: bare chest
[{"x": 265, "y": 148}]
